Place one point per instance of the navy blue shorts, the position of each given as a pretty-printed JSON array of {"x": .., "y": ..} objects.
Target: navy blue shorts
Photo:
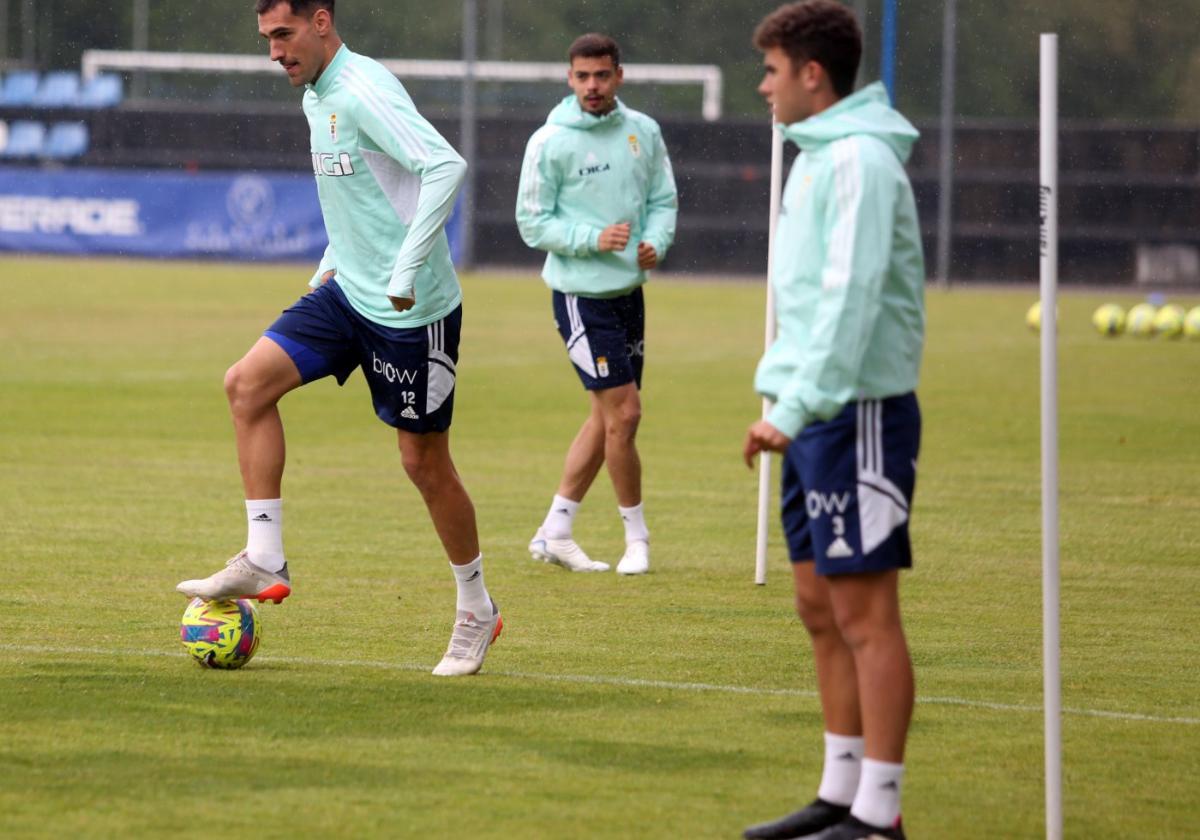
[
  {"x": 410, "y": 371},
  {"x": 848, "y": 485},
  {"x": 605, "y": 337}
]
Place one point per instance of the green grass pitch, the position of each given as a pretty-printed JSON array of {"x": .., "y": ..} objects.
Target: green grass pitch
[{"x": 676, "y": 705}]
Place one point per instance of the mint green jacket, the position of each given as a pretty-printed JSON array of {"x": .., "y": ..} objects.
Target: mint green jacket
[
  {"x": 848, "y": 274},
  {"x": 582, "y": 173},
  {"x": 387, "y": 183}
]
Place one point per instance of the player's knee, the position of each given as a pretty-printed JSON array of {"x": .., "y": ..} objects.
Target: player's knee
[
  {"x": 238, "y": 389},
  {"x": 857, "y": 626},
  {"x": 622, "y": 423},
  {"x": 816, "y": 613},
  {"x": 423, "y": 466}
]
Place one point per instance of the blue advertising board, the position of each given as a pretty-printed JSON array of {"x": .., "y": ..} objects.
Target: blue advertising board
[{"x": 149, "y": 213}]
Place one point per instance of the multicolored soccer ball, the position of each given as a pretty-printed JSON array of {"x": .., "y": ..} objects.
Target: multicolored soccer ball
[
  {"x": 1109, "y": 319},
  {"x": 1168, "y": 322},
  {"x": 1191, "y": 324},
  {"x": 221, "y": 634},
  {"x": 1140, "y": 320}
]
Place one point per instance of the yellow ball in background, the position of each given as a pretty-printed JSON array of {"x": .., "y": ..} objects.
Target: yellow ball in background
[
  {"x": 1033, "y": 316},
  {"x": 1191, "y": 324},
  {"x": 1140, "y": 320},
  {"x": 1168, "y": 321},
  {"x": 1109, "y": 319}
]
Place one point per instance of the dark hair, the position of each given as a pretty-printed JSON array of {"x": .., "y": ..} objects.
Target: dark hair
[
  {"x": 823, "y": 31},
  {"x": 594, "y": 45},
  {"x": 299, "y": 7}
]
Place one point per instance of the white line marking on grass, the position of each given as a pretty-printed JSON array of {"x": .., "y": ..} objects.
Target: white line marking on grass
[{"x": 624, "y": 682}]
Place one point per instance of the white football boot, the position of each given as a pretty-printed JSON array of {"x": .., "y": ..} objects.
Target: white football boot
[
  {"x": 240, "y": 579},
  {"x": 469, "y": 643},
  {"x": 565, "y": 553},
  {"x": 636, "y": 560}
]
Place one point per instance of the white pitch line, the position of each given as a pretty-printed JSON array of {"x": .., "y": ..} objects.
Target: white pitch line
[{"x": 624, "y": 682}]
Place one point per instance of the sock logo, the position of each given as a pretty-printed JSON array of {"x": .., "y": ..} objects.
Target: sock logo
[
  {"x": 889, "y": 786},
  {"x": 847, "y": 756},
  {"x": 474, "y": 576},
  {"x": 262, "y": 517}
]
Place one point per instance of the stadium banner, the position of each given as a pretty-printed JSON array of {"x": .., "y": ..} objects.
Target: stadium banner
[{"x": 241, "y": 216}]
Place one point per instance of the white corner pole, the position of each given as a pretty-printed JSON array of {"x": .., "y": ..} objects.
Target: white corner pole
[
  {"x": 1051, "y": 650},
  {"x": 764, "y": 463}
]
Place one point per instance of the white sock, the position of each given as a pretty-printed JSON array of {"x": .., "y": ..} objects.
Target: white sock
[
  {"x": 635, "y": 523},
  {"x": 878, "y": 799},
  {"x": 843, "y": 764},
  {"x": 558, "y": 521},
  {"x": 472, "y": 594},
  {"x": 264, "y": 533}
]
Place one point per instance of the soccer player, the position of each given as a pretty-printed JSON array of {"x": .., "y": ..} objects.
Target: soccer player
[
  {"x": 598, "y": 195},
  {"x": 385, "y": 298},
  {"x": 849, "y": 278}
]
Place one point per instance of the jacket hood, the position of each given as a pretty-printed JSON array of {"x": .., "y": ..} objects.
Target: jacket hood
[
  {"x": 568, "y": 113},
  {"x": 866, "y": 112}
]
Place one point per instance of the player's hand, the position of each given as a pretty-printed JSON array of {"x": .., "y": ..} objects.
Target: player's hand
[
  {"x": 647, "y": 256},
  {"x": 763, "y": 437},
  {"x": 614, "y": 237},
  {"x": 328, "y": 275},
  {"x": 402, "y": 304}
]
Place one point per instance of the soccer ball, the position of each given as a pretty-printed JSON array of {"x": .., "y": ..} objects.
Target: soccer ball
[
  {"x": 1169, "y": 321},
  {"x": 1109, "y": 319},
  {"x": 1033, "y": 316},
  {"x": 1140, "y": 320},
  {"x": 221, "y": 634},
  {"x": 1191, "y": 324}
]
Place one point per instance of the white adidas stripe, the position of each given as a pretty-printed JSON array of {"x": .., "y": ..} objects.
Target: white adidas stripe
[{"x": 362, "y": 87}]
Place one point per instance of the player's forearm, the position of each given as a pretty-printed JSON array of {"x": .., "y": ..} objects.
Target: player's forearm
[
  {"x": 440, "y": 183},
  {"x": 547, "y": 233},
  {"x": 660, "y": 229}
]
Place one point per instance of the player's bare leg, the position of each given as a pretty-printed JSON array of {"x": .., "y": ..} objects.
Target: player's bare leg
[
  {"x": 867, "y": 611},
  {"x": 622, "y": 411},
  {"x": 866, "y": 608},
  {"x": 254, "y": 386},
  {"x": 585, "y": 457},
  {"x": 837, "y": 684},
  {"x": 427, "y": 461},
  {"x": 553, "y": 542}
]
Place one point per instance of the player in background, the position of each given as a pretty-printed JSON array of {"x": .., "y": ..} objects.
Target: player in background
[
  {"x": 849, "y": 278},
  {"x": 598, "y": 195},
  {"x": 385, "y": 298}
]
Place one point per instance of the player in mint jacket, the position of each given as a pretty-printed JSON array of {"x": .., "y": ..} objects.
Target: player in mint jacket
[
  {"x": 849, "y": 280},
  {"x": 597, "y": 194},
  {"x": 581, "y": 173},
  {"x": 849, "y": 273},
  {"x": 385, "y": 299}
]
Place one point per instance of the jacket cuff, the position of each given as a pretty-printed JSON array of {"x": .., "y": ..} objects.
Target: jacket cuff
[
  {"x": 593, "y": 239},
  {"x": 787, "y": 419},
  {"x": 402, "y": 286}
]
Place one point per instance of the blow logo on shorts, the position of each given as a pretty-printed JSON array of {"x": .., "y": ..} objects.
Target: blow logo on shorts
[
  {"x": 826, "y": 503},
  {"x": 391, "y": 373}
]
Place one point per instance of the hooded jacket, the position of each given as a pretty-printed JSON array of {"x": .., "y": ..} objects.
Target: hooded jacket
[
  {"x": 582, "y": 173},
  {"x": 848, "y": 274}
]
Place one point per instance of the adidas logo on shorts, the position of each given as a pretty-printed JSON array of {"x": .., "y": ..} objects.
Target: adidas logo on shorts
[
  {"x": 839, "y": 548},
  {"x": 409, "y": 414}
]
